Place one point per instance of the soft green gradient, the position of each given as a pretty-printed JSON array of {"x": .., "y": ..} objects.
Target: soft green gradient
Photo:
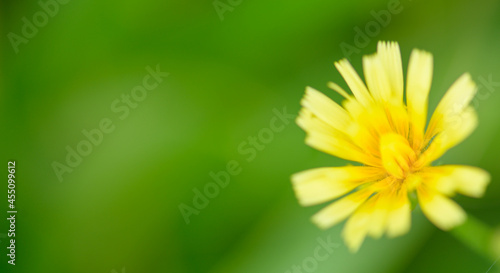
[{"x": 119, "y": 207}]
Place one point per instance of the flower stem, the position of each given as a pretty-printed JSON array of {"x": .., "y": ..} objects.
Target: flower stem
[{"x": 479, "y": 237}]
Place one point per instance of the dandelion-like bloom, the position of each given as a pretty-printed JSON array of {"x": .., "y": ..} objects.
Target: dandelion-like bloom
[{"x": 375, "y": 128}]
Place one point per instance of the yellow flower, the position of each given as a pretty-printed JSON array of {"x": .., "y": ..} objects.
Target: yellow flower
[{"x": 375, "y": 128}]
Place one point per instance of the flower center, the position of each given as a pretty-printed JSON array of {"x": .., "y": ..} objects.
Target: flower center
[{"x": 397, "y": 155}]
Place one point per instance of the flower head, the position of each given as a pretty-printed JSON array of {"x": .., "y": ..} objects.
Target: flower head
[{"x": 389, "y": 139}]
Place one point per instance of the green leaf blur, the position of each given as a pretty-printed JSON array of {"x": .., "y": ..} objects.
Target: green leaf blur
[{"x": 231, "y": 67}]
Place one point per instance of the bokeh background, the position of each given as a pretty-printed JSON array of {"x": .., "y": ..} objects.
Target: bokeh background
[{"x": 118, "y": 211}]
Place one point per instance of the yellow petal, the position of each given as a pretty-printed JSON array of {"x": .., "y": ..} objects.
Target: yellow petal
[
  {"x": 391, "y": 210},
  {"x": 397, "y": 155},
  {"x": 454, "y": 102},
  {"x": 399, "y": 216},
  {"x": 354, "y": 82},
  {"x": 388, "y": 210},
  {"x": 376, "y": 78},
  {"x": 341, "y": 209},
  {"x": 390, "y": 57},
  {"x": 418, "y": 86},
  {"x": 335, "y": 87},
  {"x": 356, "y": 228},
  {"x": 365, "y": 138},
  {"x": 378, "y": 220},
  {"x": 325, "y": 138},
  {"x": 454, "y": 130},
  {"x": 326, "y": 109},
  {"x": 398, "y": 117},
  {"x": 451, "y": 179},
  {"x": 323, "y": 184},
  {"x": 471, "y": 181},
  {"x": 368, "y": 124},
  {"x": 339, "y": 149},
  {"x": 440, "y": 210}
]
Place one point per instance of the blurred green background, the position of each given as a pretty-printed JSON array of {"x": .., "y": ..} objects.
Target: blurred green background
[{"x": 230, "y": 64}]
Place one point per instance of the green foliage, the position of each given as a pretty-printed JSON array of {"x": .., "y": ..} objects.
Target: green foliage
[{"x": 119, "y": 208}]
